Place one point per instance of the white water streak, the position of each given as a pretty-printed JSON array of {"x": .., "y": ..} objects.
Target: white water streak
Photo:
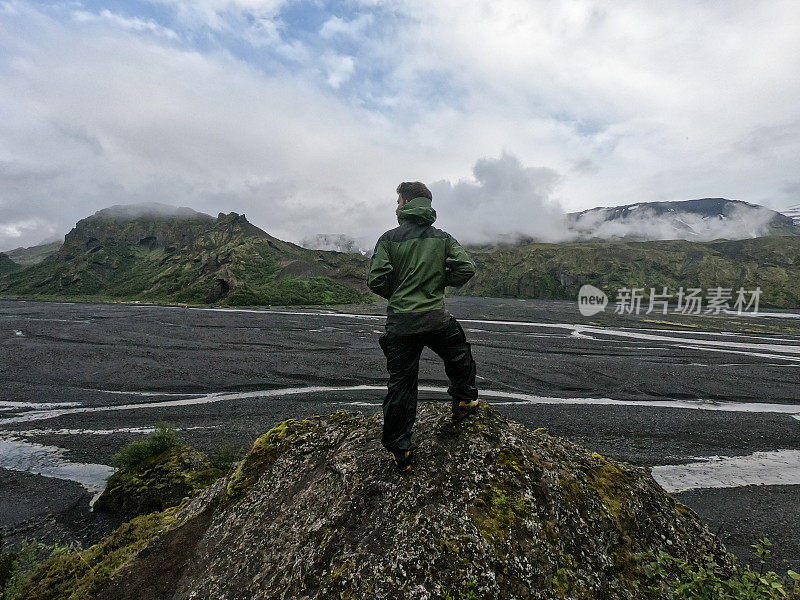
[
  {"x": 513, "y": 399},
  {"x": 777, "y": 467},
  {"x": 751, "y": 348},
  {"x": 13, "y": 404},
  {"x": 49, "y": 461}
]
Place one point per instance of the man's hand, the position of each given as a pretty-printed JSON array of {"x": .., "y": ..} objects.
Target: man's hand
[
  {"x": 460, "y": 268},
  {"x": 380, "y": 271}
]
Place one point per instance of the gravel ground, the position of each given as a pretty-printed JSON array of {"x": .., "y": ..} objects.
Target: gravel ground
[{"x": 121, "y": 361}]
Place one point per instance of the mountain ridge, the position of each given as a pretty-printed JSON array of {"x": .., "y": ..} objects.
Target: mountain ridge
[
  {"x": 134, "y": 253},
  {"x": 706, "y": 208},
  {"x": 557, "y": 271},
  {"x": 160, "y": 253},
  {"x": 702, "y": 219}
]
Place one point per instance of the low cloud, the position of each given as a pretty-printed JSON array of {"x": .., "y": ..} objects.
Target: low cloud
[
  {"x": 337, "y": 242},
  {"x": 504, "y": 200},
  {"x": 507, "y": 202},
  {"x": 127, "y": 212},
  {"x": 305, "y": 116}
]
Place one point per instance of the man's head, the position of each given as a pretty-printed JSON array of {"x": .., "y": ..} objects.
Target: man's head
[{"x": 408, "y": 190}]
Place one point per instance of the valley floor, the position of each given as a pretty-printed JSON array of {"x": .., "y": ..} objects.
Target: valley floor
[{"x": 711, "y": 402}]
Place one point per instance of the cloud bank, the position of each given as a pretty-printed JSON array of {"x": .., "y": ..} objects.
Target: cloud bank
[
  {"x": 305, "y": 115},
  {"x": 504, "y": 200}
]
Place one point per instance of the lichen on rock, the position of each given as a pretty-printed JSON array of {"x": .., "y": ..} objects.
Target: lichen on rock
[{"x": 264, "y": 452}]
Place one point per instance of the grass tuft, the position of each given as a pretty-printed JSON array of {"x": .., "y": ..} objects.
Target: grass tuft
[{"x": 162, "y": 439}]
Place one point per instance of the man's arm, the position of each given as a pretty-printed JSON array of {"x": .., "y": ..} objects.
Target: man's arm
[
  {"x": 380, "y": 271},
  {"x": 460, "y": 268}
]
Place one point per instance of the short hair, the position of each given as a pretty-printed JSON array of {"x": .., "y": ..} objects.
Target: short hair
[{"x": 409, "y": 190}]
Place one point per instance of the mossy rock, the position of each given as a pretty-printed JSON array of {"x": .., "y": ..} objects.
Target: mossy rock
[
  {"x": 158, "y": 482},
  {"x": 267, "y": 448},
  {"x": 316, "y": 510},
  {"x": 82, "y": 575}
]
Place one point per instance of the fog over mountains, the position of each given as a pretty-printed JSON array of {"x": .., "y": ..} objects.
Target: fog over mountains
[
  {"x": 794, "y": 213},
  {"x": 160, "y": 253},
  {"x": 699, "y": 220},
  {"x": 508, "y": 201},
  {"x": 337, "y": 242},
  {"x": 129, "y": 212},
  {"x": 702, "y": 220}
]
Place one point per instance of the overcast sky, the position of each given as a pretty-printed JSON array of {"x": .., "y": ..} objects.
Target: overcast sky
[{"x": 306, "y": 114}]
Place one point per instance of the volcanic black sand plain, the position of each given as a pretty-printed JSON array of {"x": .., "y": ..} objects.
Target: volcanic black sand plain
[{"x": 710, "y": 401}]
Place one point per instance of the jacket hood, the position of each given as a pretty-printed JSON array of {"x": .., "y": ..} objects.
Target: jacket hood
[{"x": 419, "y": 210}]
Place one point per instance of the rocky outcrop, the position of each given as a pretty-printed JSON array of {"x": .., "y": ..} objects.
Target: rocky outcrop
[
  {"x": 157, "y": 483},
  {"x": 491, "y": 510},
  {"x": 149, "y": 225}
]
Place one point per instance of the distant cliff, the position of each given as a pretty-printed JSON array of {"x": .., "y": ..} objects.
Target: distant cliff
[{"x": 26, "y": 257}]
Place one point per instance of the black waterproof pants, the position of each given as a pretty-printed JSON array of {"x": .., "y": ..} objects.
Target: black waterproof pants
[{"x": 402, "y": 360}]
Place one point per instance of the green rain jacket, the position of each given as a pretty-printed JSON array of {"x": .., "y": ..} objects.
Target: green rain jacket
[{"x": 411, "y": 266}]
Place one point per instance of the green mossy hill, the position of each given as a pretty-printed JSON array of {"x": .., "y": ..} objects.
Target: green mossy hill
[
  {"x": 158, "y": 482},
  {"x": 7, "y": 265},
  {"x": 537, "y": 270},
  {"x": 33, "y": 254},
  {"x": 491, "y": 510},
  {"x": 187, "y": 257}
]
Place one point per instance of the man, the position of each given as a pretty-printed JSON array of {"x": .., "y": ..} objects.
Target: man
[{"x": 411, "y": 266}]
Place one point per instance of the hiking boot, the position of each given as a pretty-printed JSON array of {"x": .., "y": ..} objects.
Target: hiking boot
[
  {"x": 402, "y": 460},
  {"x": 463, "y": 409}
]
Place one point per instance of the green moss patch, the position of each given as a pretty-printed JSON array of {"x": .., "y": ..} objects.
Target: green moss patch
[
  {"x": 561, "y": 583},
  {"x": 468, "y": 590},
  {"x": 158, "y": 482},
  {"x": 612, "y": 485},
  {"x": 498, "y": 507},
  {"x": 264, "y": 452},
  {"x": 80, "y": 575}
]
